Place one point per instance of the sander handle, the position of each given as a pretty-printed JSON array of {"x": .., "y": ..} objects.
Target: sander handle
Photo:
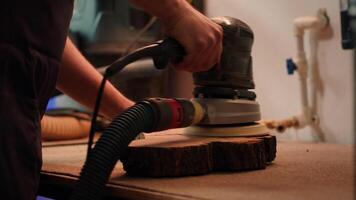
[
  {"x": 171, "y": 51},
  {"x": 162, "y": 52}
]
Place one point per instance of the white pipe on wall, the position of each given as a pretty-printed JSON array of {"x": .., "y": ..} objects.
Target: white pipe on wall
[
  {"x": 302, "y": 24},
  {"x": 302, "y": 69},
  {"x": 305, "y": 69}
]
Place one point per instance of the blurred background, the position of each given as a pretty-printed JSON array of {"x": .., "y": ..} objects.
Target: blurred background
[{"x": 106, "y": 30}]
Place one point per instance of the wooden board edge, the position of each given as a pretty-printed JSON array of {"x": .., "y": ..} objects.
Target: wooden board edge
[{"x": 113, "y": 189}]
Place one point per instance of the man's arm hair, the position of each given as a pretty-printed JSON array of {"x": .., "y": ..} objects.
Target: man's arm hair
[{"x": 80, "y": 80}]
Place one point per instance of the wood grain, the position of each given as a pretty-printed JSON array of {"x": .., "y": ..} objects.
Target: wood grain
[{"x": 177, "y": 155}]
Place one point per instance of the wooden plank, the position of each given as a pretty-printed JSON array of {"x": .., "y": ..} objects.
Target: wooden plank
[
  {"x": 301, "y": 170},
  {"x": 67, "y": 183}
]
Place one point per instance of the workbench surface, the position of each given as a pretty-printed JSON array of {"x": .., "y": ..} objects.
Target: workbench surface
[{"x": 300, "y": 171}]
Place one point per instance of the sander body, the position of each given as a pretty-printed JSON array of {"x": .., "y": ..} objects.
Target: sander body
[{"x": 224, "y": 92}]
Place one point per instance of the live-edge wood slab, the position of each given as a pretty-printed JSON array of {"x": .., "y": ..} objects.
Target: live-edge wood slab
[{"x": 174, "y": 155}]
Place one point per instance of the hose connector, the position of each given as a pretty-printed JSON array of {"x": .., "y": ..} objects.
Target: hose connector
[{"x": 174, "y": 113}]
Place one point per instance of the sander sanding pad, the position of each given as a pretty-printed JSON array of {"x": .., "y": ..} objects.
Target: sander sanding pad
[
  {"x": 227, "y": 131},
  {"x": 174, "y": 154}
]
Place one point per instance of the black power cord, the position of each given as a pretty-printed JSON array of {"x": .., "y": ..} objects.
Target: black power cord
[
  {"x": 95, "y": 115},
  {"x": 162, "y": 53}
]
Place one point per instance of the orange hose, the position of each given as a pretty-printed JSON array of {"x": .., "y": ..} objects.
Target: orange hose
[{"x": 63, "y": 128}]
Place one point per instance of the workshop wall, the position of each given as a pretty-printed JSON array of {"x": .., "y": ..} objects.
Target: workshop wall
[{"x": 277, "y": 92}]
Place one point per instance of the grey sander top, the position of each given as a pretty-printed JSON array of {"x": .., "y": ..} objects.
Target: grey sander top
[{"x": 300, "y": 171}]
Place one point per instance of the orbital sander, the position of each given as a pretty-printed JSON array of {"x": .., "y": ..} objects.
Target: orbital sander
[
  {"x": 224, "y": 105},
  {"x": 224, "y": 92}
]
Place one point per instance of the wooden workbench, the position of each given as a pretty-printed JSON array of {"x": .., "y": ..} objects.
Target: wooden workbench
[{"x": 300, "y": 171}]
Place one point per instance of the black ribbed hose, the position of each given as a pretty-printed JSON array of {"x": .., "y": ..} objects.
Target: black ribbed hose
[
  {"x": 123, "y": 129},
  {"x": 110, "y": 148}
]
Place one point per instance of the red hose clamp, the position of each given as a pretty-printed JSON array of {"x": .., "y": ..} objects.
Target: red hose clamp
[{"x": 177, "y": 113}]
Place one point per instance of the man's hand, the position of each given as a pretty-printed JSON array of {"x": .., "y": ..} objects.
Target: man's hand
[{"x": 201, "y": 37}]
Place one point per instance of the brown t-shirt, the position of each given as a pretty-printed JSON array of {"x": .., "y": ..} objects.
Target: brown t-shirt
[
  {"x": 32, "y": 38},
  {"x": 39, "y": 24}
]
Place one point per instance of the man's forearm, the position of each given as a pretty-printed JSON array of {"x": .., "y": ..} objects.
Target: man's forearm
[
  {"x": 165, "y": 10},
  {"x": 78, "y": 79},
  {"x": 200, "y": 36}
]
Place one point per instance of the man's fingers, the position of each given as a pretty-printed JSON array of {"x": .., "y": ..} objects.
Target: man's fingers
[
  {"x": 210, "y": 51},
  {"x": 203, "y": 58},
  {"x": 188, "y": 63},
  {"x": 202, "y": 42},
  {"x": 212, "y": 57},
  {"x": 200, "y": 36}
]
